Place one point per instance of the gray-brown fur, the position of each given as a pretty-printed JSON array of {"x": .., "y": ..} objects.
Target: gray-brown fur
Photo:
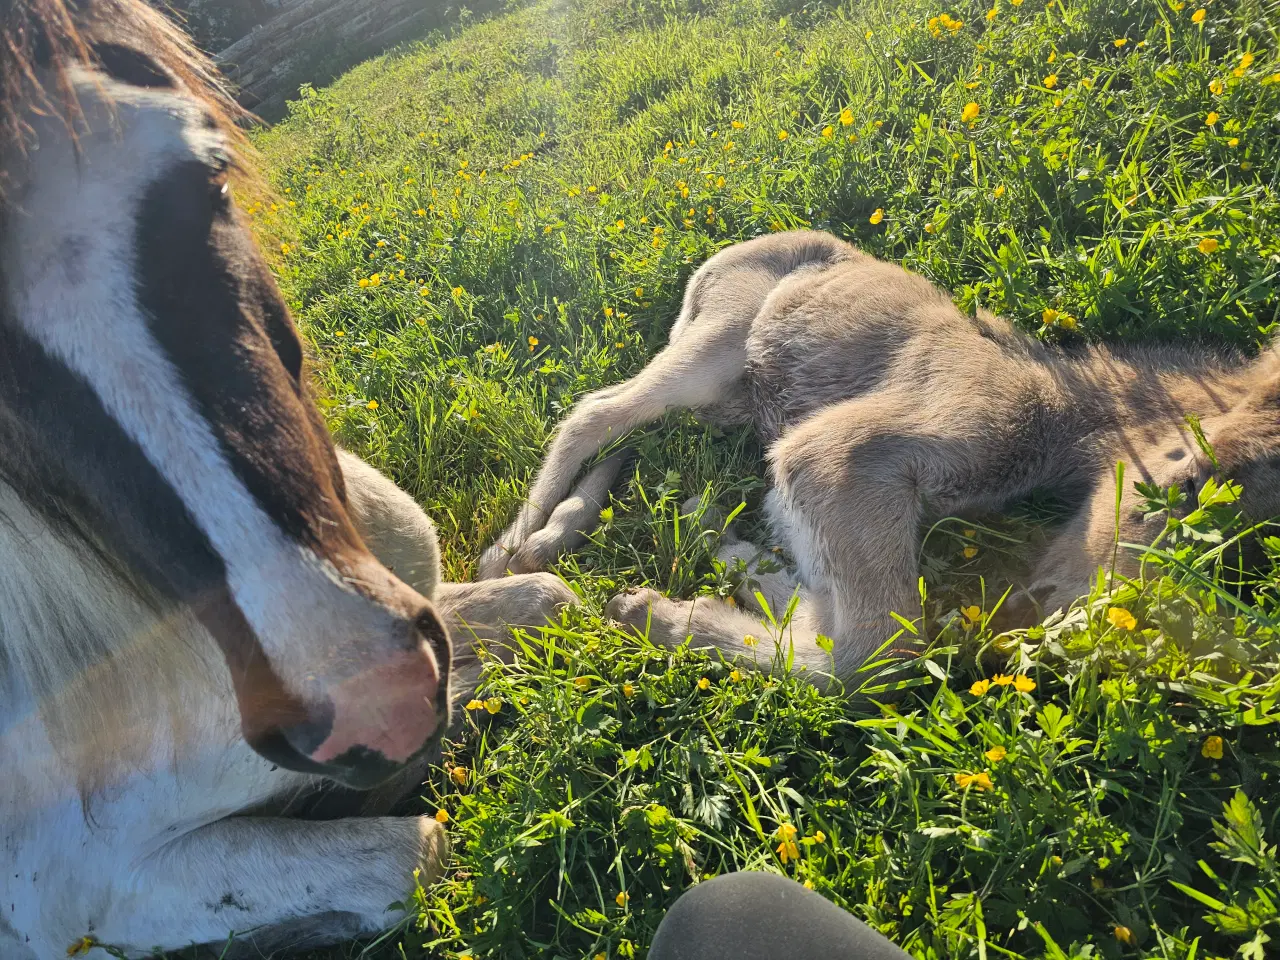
[{"x": 884, "y": 406}]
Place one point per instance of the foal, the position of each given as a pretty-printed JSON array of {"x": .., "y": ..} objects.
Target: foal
[
  {"x": 206, "y": 612},
  {"x": 883, "y": 407}
]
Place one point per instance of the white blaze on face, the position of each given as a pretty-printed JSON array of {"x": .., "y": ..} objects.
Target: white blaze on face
[{"x": 69, "y": 257}]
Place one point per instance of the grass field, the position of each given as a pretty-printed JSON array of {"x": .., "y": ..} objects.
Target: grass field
[{"x": 477, "y": 231}]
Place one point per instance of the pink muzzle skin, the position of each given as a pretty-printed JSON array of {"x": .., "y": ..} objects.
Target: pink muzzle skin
[{"x": 389, "y": 709}]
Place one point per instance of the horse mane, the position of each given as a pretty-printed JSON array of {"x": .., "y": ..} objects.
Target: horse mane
[{"x": 42, "y": 40}]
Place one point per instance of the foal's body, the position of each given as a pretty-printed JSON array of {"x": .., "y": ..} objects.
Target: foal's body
[{"x": 883, "y": 407}]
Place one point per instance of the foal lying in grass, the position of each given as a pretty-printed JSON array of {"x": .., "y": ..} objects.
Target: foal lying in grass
[{"x": 883, "y": 407}]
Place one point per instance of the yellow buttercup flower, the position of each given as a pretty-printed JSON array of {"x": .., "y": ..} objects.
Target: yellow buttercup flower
[
  {"x": 970, "y": 552},
  {"x": 372, "y": 404},
  {"x": 1211, "y": 119},
  {"x": 782, "y": 134},
  {"x": 533, "y": 342},
  {"x": 81, "y": 947},
  {"x": 1002, "y": 680},
  {"x": 1216, "y": 87},
  {"x": 1050, "y": 81},
  {"x": 876, "y": 217},
  {"x": 980, "y": 687},
  {"x": 1198, "y": 16},
  {"x": 493, "y": 704},
  {"x": 1246, "y": 61},
  {"x": 621, "y": 899},
  {"x": 703, "y": 683},
  {"x": 1124, "y": 935},
  {"x": 1207, "y": 246},
  {"x": 582, "y": 683},
  {"x": 628, "y": 690},
  {"x": 458, "y": 775},
  {"x": 1212, "y": 748},
  {"x": 475, "y": 704},
  {"x": 1122, "y": 618},
  {"x": 979, "y": 781},
  {"x": 1120, "y": 41},
  {"x": 846, "y": 117},
  {"x": 973, "y": 614},
  {"x": 828, "y": 132},
  {"x": 1023, "y": 684},
  {"x": 999, "y": 191},
  {"x": 970, "y": 112},
  {"x": 996, "y": 754},
  {"x": 735, "y": 676},
  {"x": 750, "y": 641},
  {"x": 787, "y": 849},
  {"x": 442, "y": 815}
]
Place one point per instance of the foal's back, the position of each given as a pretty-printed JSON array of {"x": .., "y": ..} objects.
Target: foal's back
[{"x": 844, "y": 324}]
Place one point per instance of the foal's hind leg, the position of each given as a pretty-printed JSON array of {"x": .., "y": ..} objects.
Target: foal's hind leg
[
  {"x": 853, "y": 483},
  {"x": 743, "y": 632},
  {"x": 709, "y": 622}
]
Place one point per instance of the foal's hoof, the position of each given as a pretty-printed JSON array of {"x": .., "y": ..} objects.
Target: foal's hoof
[{"x": 631, "y": 608}]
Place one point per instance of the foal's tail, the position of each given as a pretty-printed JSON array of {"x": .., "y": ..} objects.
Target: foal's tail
[{"x": 703, "y": 365}]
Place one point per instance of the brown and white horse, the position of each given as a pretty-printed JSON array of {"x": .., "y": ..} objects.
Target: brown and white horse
[{"x": 194, "y": 629}]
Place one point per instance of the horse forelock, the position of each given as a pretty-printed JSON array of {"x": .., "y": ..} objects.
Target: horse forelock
[{"x": 41, "y": 41}]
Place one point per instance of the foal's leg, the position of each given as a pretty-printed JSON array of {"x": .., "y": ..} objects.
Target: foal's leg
[
  {"x": 764, "y": 574},
  {"x": 277, "y": 882},
  {"x": 573, "y": 518},
  {"x": 853, "y": 483},
  {"x": 482, "y": 615},
  {"x": 693, "y": 371},
  {"x": 851, "y": 486},
  {"x": 745, "y": 637},
  {"x": 742, "y": 632}
]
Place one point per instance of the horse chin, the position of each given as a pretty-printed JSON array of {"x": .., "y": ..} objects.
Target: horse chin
[{"x": 359, "y": 767}]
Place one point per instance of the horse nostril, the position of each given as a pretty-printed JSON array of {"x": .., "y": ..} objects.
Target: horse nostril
[{"x": 306, "y": 737}]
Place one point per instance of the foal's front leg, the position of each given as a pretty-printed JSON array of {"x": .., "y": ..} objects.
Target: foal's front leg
[
  {"x": 742, "y": 633},
  {"x": 275, "y": 882},
  {"x": 481, "y": 616}
]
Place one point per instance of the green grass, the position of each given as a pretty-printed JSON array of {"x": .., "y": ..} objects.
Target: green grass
[{"x": 476, "y": 232}]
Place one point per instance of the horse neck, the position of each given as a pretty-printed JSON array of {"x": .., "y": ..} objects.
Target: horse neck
[{"x": 110, "y": 678}]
